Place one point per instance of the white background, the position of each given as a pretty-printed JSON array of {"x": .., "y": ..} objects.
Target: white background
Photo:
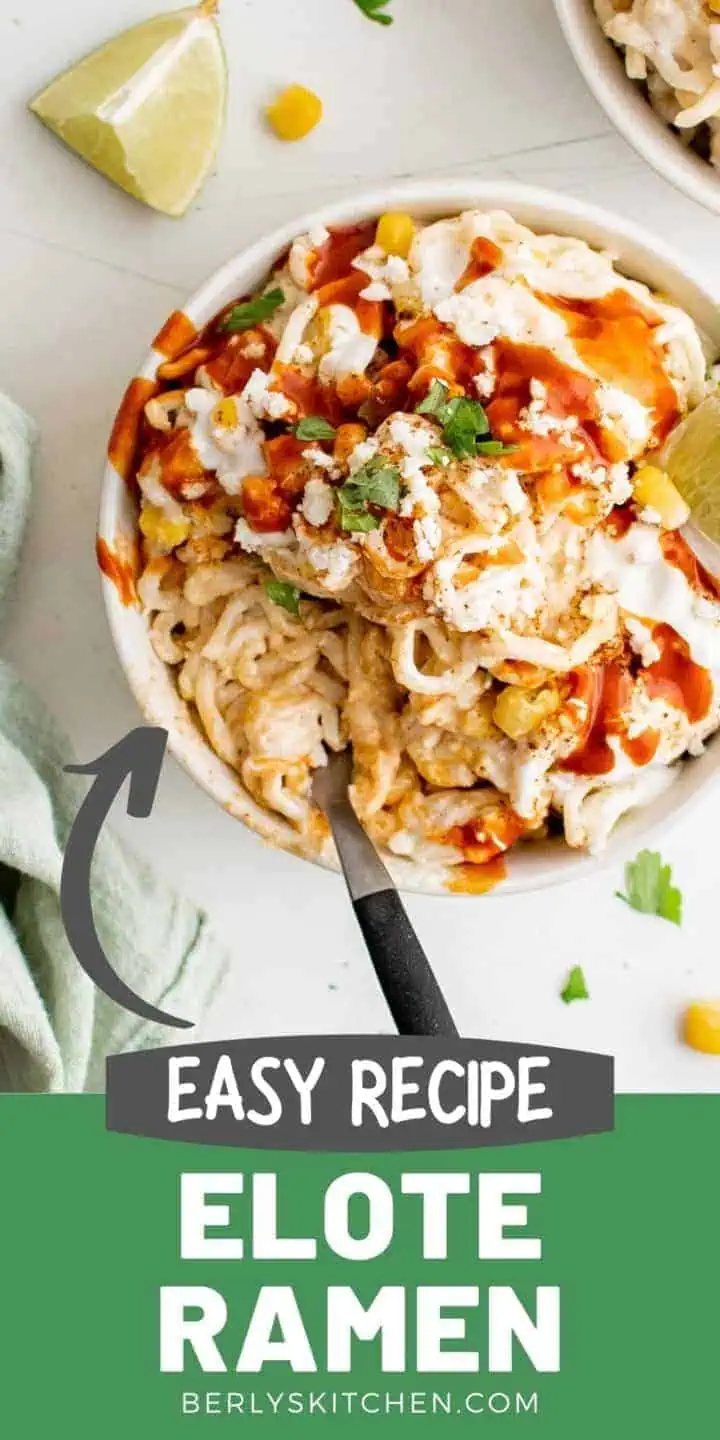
[{"x": 455, "y": 87}]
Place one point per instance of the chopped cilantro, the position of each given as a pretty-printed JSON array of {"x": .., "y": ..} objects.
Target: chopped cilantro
[
  {"x": 282, "y": 593},
  {"x": 253, "y": 312},
  {"x": 495, "y": 447},
  {"x": 464, "y": 421},
  {"x": 435, "y": 402},
  {"x": 350, "y": 518},
  {"x": 650, "y": 889},
  {"x": 374, "y": 10},
  {"x": 313, "y": 427},
  {"x": 439, "y": 455},
  {"x": 575, "y": 986},
  {"x": 376, "y": 483}
]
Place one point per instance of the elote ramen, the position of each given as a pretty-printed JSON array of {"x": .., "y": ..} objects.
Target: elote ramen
[
  {"x": 673, "y": 48},
  {"x": 408, "y": 498}
]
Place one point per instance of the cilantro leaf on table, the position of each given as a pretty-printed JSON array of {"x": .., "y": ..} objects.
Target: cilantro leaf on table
[
  {"x": 376, "y": 483},
  {"x": 284, "y": 594},
  {"x": 650, "y": 889},
  {"x": 374, "y": 10},
  {"x": 575, "y": 986},
  {"x": 253, "y": 312},
  {"x": 313, "y": 427}
]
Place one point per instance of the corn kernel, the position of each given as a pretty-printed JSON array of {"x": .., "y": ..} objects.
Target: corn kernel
[
  {"x": 702, "y": 1025},
  {"x": 394, "y": 234},
  {"x": 225, "y": 413},
  {"x": 714, "y": 6},
  {"x": 653, "y": 488},
  {"x": 517, "y": 712},
  {"x": 321, "y": 329},
  {"x": 295, "y": 113},
  {"x": 164, "y": 533}
]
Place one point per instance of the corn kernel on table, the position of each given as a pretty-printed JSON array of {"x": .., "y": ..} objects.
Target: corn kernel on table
[{"x": 459, "y": 88}]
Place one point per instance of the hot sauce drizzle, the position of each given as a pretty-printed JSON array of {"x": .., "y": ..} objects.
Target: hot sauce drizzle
[
  {"x": 268, "y": 500},
  {"x": 123, "y": 442},
  {"x": 487, "y": 836},
  {"x": 641, "y": 748},
  {"x": 438, "y": 354},
  {"x": 607, "y": 689},
  {"x": 176, "y": 335},
  {"x": 569, "y": 393},
  {"x": 308, "y": 394},
  {"x": 122, "y": 572},
  {"x": 676, "y": 678},
  {"x": 347, "y": 292},
  {"x": 236, "y": 356},
  {"x": 677, "y": 552},
  {"x": 334, "y": 258},
  {"x": 485, "y": 256},
  {"x": 265, "y": 507},
  {"x": 613, "y": 334},
  {"x": 179, "y": 462},
  {"x": 477, "y": 879},
  {"x": 618, "y": 522}
]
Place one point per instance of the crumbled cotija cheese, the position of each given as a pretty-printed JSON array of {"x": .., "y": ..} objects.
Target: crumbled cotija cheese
[
  {"x": 419, "y": 500},
  {"x": 624, "y": 414},
  {"x": 384, "y": 271},
  {"x": 302, "y": 252},
  {"x": 317, "y": 502},
  {"x": 428, "y": 536},
  {"x": 538, "y": 420},
  {"x": 255, "y": 541},
  {"x": 336, "y": 561},
  {"x": 641, "y": 640},
  {"x": 232, "y": 452},
  {"x": 362, "y": 452},
  {"x": 265, "y": 403},
  {"x": 413, "y": 440},
  {"x": 486, "y": 380},
  {"x": 317, "y": 457}
]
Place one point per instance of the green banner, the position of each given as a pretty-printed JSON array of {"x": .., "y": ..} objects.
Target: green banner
[{"x": 90, "y": 1227}]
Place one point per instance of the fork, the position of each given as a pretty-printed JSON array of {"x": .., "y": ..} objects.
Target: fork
[{"x": 414, "y": 997}]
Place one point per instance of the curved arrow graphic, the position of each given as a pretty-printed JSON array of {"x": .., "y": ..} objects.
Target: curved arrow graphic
[{"x": 138, "y": 756}]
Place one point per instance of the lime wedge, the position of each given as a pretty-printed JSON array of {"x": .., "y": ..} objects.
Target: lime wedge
[
  {"x": 147, "y": 109},
  {"x": 691, "y": 457}
]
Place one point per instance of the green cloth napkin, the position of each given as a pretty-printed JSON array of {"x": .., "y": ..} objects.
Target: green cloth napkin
[{"x": 55, "y": 1027}]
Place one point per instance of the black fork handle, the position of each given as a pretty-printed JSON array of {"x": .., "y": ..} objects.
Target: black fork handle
[{"x": 414, "y": 997}]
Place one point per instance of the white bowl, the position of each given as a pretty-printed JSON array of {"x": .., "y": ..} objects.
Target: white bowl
[
  {"x": 625, "y": 103},
  {"x": 638, "y": 254}
]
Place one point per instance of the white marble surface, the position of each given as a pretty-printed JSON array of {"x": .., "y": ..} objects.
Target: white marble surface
[{"x": 465, "y": 87}]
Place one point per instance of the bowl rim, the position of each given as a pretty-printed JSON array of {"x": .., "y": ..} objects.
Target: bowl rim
[
  {"x": 624, "y": 103},
  {"x": 432, "y": 198}
]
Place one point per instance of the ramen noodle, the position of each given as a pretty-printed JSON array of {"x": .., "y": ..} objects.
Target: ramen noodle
[
  {"x": 673, "y": 46},
  {"x": 411, "y": 503}
]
